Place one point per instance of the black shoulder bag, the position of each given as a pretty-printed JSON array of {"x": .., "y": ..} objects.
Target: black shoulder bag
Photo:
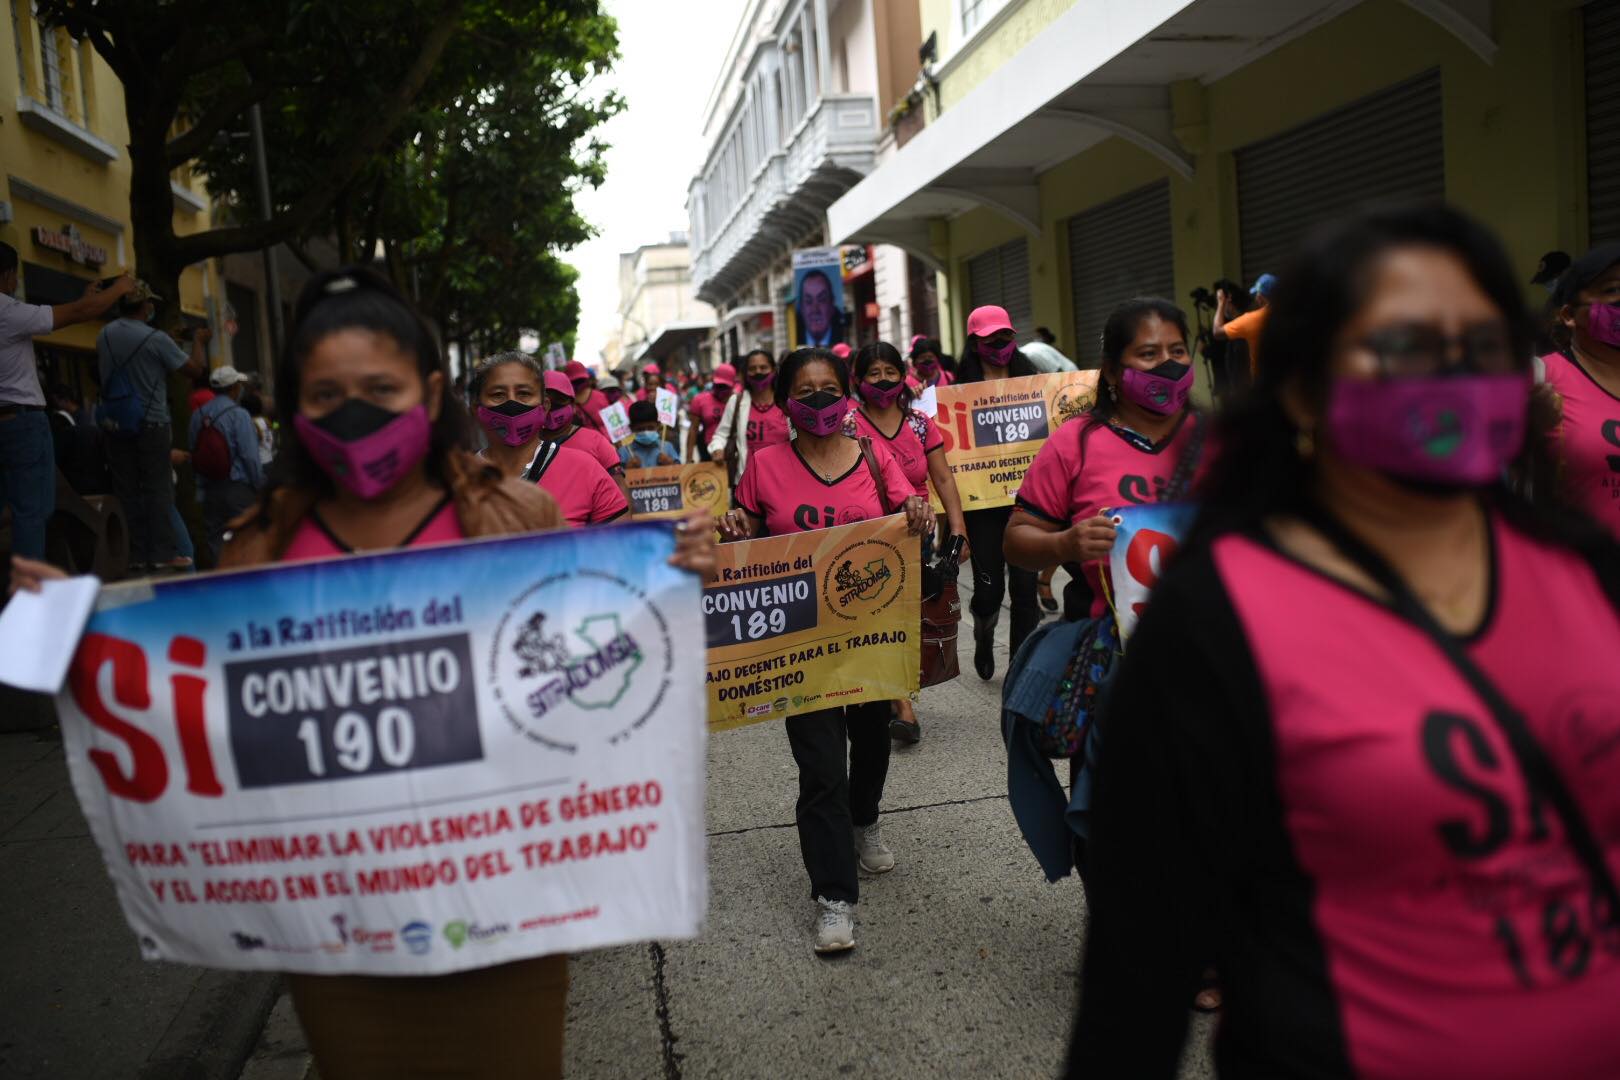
[{"x": 1538, "y": 768}]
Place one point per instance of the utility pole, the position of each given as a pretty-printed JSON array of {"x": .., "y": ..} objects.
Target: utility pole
[{"x": 272, "y": 284}]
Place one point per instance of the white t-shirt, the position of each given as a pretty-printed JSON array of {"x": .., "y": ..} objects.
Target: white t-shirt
[{"x": 20, "y": 324}]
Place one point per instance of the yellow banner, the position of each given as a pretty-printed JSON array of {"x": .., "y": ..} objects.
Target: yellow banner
[
  {"x": 668, "y": 491},
  {"x": 993, "y": 429},
  {"x": 813, "y": 620}
]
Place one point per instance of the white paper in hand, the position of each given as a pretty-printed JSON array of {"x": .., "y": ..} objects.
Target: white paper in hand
[
  {"x": 668, "y": 403},
  {"x": 926, "y": 403},
  {"x": 39, "y": 632},
  {"x": 617, "y": 421}
]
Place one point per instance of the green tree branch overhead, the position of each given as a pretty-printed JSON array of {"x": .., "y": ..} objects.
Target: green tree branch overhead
[{"x": 447, "y": 138}]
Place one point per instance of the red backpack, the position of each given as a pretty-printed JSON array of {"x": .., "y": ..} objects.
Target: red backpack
[{"x": 211, "y": 457}]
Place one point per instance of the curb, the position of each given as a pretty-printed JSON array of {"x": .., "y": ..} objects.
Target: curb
[{"x": 216, "y": 1029}]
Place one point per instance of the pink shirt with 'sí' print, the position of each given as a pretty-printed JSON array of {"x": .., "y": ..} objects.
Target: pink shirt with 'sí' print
[
  {"x": 1462, "y": 937},
  {"x": 779, "y": 487},
  {"x": 1587, "y": 441}
]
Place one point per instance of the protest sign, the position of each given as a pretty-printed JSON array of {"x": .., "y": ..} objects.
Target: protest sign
[
  {"x": 1145, "y": 537},
  {"x": 668, "y": 491},
  {"x": 409, "y": 763},
  {"x": 813, "y": 620},
  {"x": 993, "y": 429},
  {"x": 616, "y": 419},
  {"x": 668, "y": 404}
]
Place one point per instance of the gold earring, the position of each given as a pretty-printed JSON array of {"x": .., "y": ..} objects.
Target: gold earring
[{"x": 1304, "y": 444}]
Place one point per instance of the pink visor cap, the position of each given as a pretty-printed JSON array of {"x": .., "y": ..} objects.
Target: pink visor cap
[{"x": 987, "y": 320}]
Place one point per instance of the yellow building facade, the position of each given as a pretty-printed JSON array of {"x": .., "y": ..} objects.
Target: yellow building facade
[{"x": 64, "y": 189}]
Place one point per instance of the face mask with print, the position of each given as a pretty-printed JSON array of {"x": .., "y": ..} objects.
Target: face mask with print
[
  {"x": 926, "y": 369},
  {"x": 558, "y": 418},
  {"x": 721, "y": 391},
  {"x": 1162, "y": 390},
  {"x": 1000, "y": 357},
  {"x": 512, "y": 421},
  {"x": 365, "y": 447},
  {"x": 647, "y": 438},
  {"x": 760, "y": 382},
  {"x": 822, "y": 413},
  {"x": 881, "y": 394},
  {"x": 1446, "y": 432},
  {"x": 1603, "y": 324}
]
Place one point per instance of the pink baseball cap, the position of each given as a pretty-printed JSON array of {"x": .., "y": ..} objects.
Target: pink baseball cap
[
  {"x": 556, "y": 380},
  {"x": 987, "y": 320},
  {"x": 576, "y": 371},
  {"x": 725, "y": 375},
  {"x": 652, "y": 369},
  {"x": 841, "y": 351}
]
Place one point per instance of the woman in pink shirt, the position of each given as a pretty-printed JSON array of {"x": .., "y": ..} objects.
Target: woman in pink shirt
[
  {"x": 1584, "y": 378},
  {"x": 926, "y": 369},
  {"x": 561, "y": 423},
  {"x": 1361, "y": 753},
  {"x": 752, "y": 419},
  {"x": 517, "y": 414},
  {"x": 884, "y": 414},
  {"x": 817, "y": 480},
  {"x": 381, "y": 461}
]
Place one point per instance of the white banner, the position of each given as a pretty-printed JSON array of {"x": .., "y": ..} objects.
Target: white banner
[{"x": 411, "y": 763}]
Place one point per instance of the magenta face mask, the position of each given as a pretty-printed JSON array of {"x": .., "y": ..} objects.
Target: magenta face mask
[
  {"x": 1603, "y": 323},
  {"x": 1000, "y": 357},
  {"x": 558, "y": 418},
  {"x": 760, "y": 382},
  {"x": 881, "y": 394},
  {"x": 822, "y": 413},
  {"x": 513, "y": 421},
  {"x": 1163, "y": 390},
  {"x": 365, "y": 447},
  {"x": 1451, "y": 430}
]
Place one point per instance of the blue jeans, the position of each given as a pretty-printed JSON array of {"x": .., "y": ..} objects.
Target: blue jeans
[{"x": 27, "y": 479}]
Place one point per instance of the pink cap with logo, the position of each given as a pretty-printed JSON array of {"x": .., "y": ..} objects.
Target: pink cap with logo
[
  {"x": 556, "y": 380},
  {"x": 987, "y": 320},
  {"x": 725, "y": 375}
]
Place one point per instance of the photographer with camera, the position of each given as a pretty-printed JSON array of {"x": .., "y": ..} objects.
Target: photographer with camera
[{"x": 1233, "y": 324}]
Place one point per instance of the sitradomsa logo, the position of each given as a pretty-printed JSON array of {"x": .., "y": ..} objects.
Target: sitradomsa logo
[
  {"x": 703, "y": 491},
  {"x": 863, "y": 579},
  {"x": 581, "y": 657}
]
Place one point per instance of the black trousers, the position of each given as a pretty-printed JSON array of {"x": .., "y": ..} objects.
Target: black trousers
[
  {"x": 222, "y": 501},
  {"x": 838, "y": 792},
  {"x": 144, "y": 483},
  {"x": 993, "y": 577}
]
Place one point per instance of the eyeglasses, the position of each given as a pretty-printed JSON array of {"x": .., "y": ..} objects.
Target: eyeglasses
[{"x": 1419, "y": 349}]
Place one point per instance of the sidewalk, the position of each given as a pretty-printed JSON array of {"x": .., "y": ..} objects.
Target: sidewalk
[{"x": 78, "y": 1001}]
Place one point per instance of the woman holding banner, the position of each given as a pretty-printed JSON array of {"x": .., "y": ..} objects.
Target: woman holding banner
[
  {"x": 752, "y": 420},
  {"x": 1133, "y": 446},
  {"x": 515, "y": 395},
  {"x": 381, "y": 460},
  {"x": 820, "y": 479},
  {"x": 991, "y": 355},
  {"x": 884, "y": 415},
  {"x": 1366, "y": 755}
]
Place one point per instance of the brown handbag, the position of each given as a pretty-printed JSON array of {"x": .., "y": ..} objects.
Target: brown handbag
[{"x": 940, "y": 616}]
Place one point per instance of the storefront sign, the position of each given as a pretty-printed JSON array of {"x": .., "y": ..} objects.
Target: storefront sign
[
  {"x": 70, "y": 243},
  {"x": 670, "y": 491},
  {"x": 402, "y": 764},
  {"x": 993, "y": 429},
  {"x": 813, "y": 620}
]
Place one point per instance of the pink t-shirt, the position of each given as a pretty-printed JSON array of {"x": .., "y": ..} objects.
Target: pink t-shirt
[
  {"x": 315, "y": 539},
  {"x": 779, "y": 487},
  {"x": 909, "y": 450},
  {"x": 767, "y": 426},
  {"x": 1084, "y": 467},
  {"x": 1587, "y": 441},
  {"x": 1456, "y": 922},
  {"x": 583, "y": 490},
  {"x": 706, "y": 410},
  {"x": 593, "y": 442},
  {"x": 595, "y": 404}
]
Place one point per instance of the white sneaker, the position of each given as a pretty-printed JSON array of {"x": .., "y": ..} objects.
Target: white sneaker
[
  {"x": 835, "y": 926},
  {"x": 874, "y": 855}
]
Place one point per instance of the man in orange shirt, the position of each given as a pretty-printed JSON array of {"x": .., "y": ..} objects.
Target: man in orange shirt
[{"x": 1247, "y": 326}]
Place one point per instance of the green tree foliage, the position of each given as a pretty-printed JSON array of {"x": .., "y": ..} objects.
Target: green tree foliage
[{"x": 450, "y": 135}]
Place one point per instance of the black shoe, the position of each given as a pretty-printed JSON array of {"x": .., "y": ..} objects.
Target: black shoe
[
  {"x": 984, "y": 648},
  {"x": 902, "y": 731}
]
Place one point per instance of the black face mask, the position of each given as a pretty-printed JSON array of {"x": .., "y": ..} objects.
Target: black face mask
[
  {"x": 1170, "y": 371},
  {"x": 355, "y": 419},
  {"x": 821, "y": 399},
  {"x": 721, "y": 392},
  {"x": 511, "y": 408},
  {"x": 886, "y": 385}
]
